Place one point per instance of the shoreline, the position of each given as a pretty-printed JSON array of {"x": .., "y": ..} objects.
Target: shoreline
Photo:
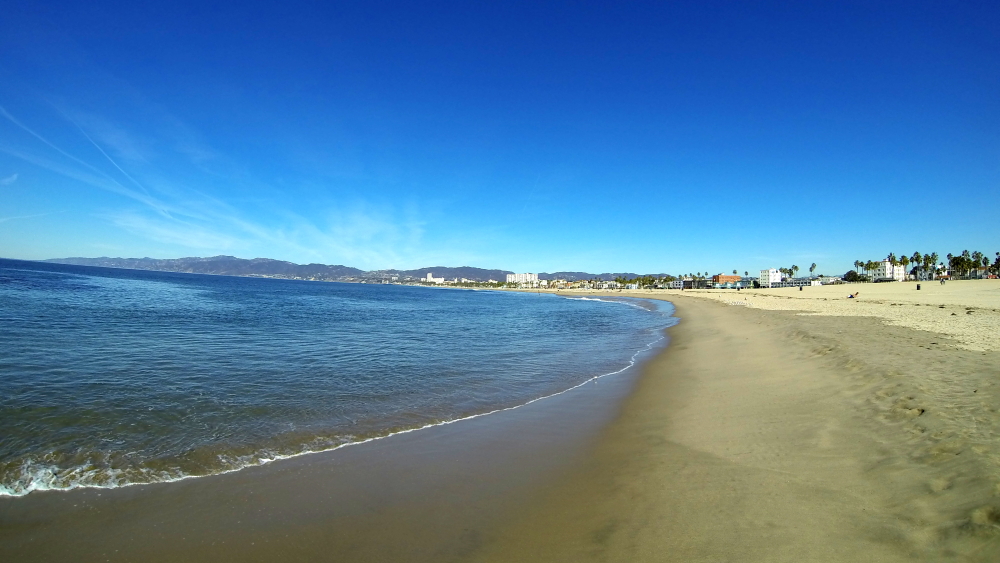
[
  {"x": 340, "y": 501},
  {"x": 756, "y": 435},
  {"x": 633, "y": 362}
]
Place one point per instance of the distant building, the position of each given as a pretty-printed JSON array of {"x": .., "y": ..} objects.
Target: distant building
[
  {"x": 676, "y": 284},
  {"x": 722, "y": 279},
  {"x": 886, "y": 270},
  {"x": 431, "y": 279},
  {"x": 796, "y": 282},
  {"x": 522, "y": 278},
  {"x": 768, "y": 278}
]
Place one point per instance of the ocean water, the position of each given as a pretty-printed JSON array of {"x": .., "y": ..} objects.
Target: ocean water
[{"x": 116, "y": 377}]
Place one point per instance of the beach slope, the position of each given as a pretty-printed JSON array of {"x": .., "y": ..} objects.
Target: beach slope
[{"x": 770, "y": 436}]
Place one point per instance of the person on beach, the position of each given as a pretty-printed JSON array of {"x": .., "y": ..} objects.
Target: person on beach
[{"x": 854, "y": 295}]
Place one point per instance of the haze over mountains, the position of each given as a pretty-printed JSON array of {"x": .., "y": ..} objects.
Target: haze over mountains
[{"x": 266, "y": 267}]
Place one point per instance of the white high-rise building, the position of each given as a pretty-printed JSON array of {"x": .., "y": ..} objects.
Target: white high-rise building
[
  {"x": 887, "y": 271},
  {"x": 768, "y": 277},
  {"x": 523, "y": 278},
  {"x": 431, "y": 279}
]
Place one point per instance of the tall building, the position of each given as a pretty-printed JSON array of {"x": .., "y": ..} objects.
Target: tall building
[
  {"x": 522, "y": 278},
  {"x": 431, "y": 279},
  {"x": 768, "y": 277},
  {"x": 887, "y": 271}
]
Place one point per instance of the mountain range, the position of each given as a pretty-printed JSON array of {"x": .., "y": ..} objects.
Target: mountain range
[{"x": 266, "y": 267}]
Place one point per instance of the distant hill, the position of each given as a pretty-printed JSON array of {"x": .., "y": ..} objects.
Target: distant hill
[
  {"x": 467, "y": 272},
  {"x": 224, "y": 265},
  {"x": 266, "y": 267}
]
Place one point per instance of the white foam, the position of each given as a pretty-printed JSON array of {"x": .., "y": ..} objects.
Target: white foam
[{"x": 620, "y": 302}]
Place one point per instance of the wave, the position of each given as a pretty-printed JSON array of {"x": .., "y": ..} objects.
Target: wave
[
  {"x": 622, "y": 301},
  {"x": 40, "y": 474}
]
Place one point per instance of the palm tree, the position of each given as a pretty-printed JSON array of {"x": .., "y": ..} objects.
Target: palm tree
[
  {"x": 857, "y": 265},
  {"x": 734, "y": 273},
  {"x": 905, "y": 262},
  {"x": 917, "y": 259},
  {"x": 929, "y": 261},
  {"x": 746, "y": 274},
  {"x": 794, "y": 269},
  {"x": 812, "y": 268}
]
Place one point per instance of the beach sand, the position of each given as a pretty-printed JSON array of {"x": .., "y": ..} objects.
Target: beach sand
[
  {"x": 968, "y": 311},
  {"x": 769, "y": 435},
  {"x": 759, "y": 434}
]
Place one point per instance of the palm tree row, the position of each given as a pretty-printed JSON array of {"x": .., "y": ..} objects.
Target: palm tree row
[
  {"x": 967, "y": 262},
  {"x": 929, "y": 266},
  {"x": 789, "y": 272},
  {"x": 644, "y": 282}
]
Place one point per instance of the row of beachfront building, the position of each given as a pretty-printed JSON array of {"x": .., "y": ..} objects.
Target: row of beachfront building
[{"x": 770, "y": 278}]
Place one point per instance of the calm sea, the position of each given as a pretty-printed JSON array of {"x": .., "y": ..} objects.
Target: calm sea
[{"x": 114, "y": 377}]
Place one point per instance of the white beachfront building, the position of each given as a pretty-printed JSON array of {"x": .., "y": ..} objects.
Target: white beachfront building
[
  {"x": 769, "y": 277},
  {"x": 523, "y": 279},
  {"x": 796, "y": 282},
  {"x": 431, "y": 279},
  {"x": 887, "y": 271}
]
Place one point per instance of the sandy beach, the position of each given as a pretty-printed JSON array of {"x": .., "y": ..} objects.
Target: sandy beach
[
  {"x": 796, "y": 426},
  {"x": 776, "y": 426}
]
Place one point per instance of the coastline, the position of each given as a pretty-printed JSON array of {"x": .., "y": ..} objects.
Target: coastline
[
  {"x": 756, "y": 435},
  {"x": 429, "y": 495}
]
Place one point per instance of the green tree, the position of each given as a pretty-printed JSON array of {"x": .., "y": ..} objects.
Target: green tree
[
  {"x": 930, "y": 261},
  {"x": 812, "y": 268}
]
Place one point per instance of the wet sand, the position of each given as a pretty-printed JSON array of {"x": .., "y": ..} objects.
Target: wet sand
[{"x": 758, "y": 435}]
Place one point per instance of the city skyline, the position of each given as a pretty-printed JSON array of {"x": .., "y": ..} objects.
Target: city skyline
[{"x": 647, "y": 138}]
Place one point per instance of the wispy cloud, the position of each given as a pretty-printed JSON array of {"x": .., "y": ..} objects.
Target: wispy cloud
[
  {"x": 199, "y": 217},
  {"x": 76, "y": 168},
  {"x": 8, "y": 180},
  {"x": 173, "y": 232},
  {"x": 5, "y": 219}
]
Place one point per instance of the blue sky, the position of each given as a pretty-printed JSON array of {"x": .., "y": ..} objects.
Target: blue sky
[{"x": 646, "y": 137}]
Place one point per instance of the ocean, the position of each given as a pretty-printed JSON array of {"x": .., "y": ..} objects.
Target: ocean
[{"x": 115, "y": 377}]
